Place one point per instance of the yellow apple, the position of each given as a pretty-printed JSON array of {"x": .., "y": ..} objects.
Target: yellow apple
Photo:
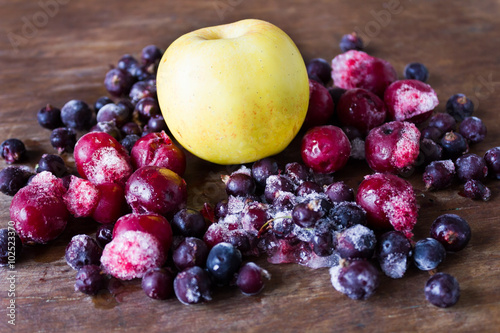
[{"x": 233, "y": 93}]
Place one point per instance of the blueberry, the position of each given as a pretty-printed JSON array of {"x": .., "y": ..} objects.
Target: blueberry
[
  {"x": 150, "y": 54},
  {"x": 131, "y": 128},
  {"x": 431, "y": 133},
  {"x": 193, "y": 285},
  {"x": 439, "y": 175},
  {"x": 12, "y": 150},
  {"x": 471, "y": 166},
  {"x": 114, "y": 112},
  {"x": 190, "y": 252},
  {"x": 129, "y": 141},
  {"x": 492, "y": 159},
  {"x": 393, "y": 253},
  {"x": 82, "y": 250},
  {"x": 473, "y": 129},
  {"x": 90, "y": 279},
  {"x": 49, "y": 117},
  {"x": 358, "y": 279},
  {"x": 158, "y": 283},
  {"x": 308, "y": 187},
  {"x": 52, "y": 163},
  {"x": 356, "y": 242},
  {"x": 223, "y": 262},
  {"x": 319, "y": 70},
  {"x": 460, "y": 107},
  {"x": 188, "y": 223},
  {"x": 108, "y": 127},
  {"x": 63, "y": 139},
  {"x": 416, "y": 71},
  {"x": 251, "y": 278},
  {"x": 104, "y": 234},
  {"x": 347, "y": 214},
  {"x": 454, "y": 145},
  {"x": 157, "y": 124},
  {"x": 452, "y": 231},
  {"x": 13, "y": 178},
  {"x": 262, "y": 169},
  {"x": 442, "y": 290},
  {"x": 428, "y": 254},
  {"x": 351, "y": 42},
  {"x": 443, "y": 122},
  {"x": 339, "y": 192},
  {"x": 304, "y": 215},
  {"x": 240, "y": 184},
  {"x": 101, "y": 101},
  {"x": 76, "y": 114},
  {"x": 429, "y": 151},
  {"x": 476, "y": 190}
]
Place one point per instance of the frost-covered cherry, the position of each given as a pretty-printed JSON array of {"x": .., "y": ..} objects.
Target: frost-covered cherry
[
  {"x": 410, "y": 100},
  {"x": 392, "y": 147},
  {"x": 100, "y": 158},
  {"x": 389, "y": 201},
  {"x": 361, "y": 109},
  {"x": 153, "y": 224},
  {"x": 153, "y": 189},
  {"x": 325, "y": 149},
  {"x": 111, "y": 204},
  {"x": 357, "y": 69},
  {"x": 158, "y": 149}
]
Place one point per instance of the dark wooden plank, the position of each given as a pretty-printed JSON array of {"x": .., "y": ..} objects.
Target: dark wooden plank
[{"x": 67, "y": 57}]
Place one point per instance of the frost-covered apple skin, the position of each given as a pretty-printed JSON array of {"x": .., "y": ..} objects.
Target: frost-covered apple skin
[
  {"x": 410, "y": 100},
  {"x": 100, "y": 158},
  {"x": 389, "y": 202},
  {"x": 357, "y": 69},
  {"x": 158, "y": 149},
  {"x": 392, "y": 147},
  {"x": 153, "y": 189}
]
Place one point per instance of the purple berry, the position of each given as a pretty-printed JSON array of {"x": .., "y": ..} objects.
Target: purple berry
[
  {"x": 393, "y": 253},
  {"x": 63, "y": 139},
  {"x": 129, "y": 141},
  {"x": 356, "y": 242},
  {"x": 476, "y": 190},
  {"x": 147, "y": 107},
  {"x": 308, "y": 188},
  {"x": 82, "y": 250},
  {"x": 473, "y": 129},
  {"x": 101, "y": 101},
  {"x": 118, "y": 82},
  {"x": 347, "y": 214},
  {"x": 104, "y": 234},
  {"x": 113, "y": 112},
  {"x": 429, "y": 152},
  {"x": 262, "y": 169},
  {"x": 305, "y": 214},
  {"x": 157, "y": 124},
  {"x": 297, "y": 172},
  {"x": 442, "y": 290},
  {"x": 454, "y": 145},
  {"x": 158, "y": 283},
  {"x": 188, "y": 223},
  {"x": 428, "y": 254},
  {"x": 90, "y": 279},
  {"x": 439, "y": 175},
  {"x": 416, "y": 71},
  {"x": 52, "y": 163},
  {"x": 108, "y": 127},
  {"x": 251, "y": 278},
  {"x": 193, "y": 285},
  {"x": 49, "y": 117},
  {"x": 452, "y": 231},
  {"x": 492, "y": 159},
  {"x": 13, "y": 178},
  {"x": 443, "y": 122},
  {"x": 275, "y": 184},
  {"x": 223, "y": 261},
  {"x": 459, "y": 107},
  {"x": 351, "y": 42},
  {"x": 319, "y": 70},
  {"x": 358, "y": 279},
  {"x": 471, "y": 166},
  {"x": 131, "y": 128},
  {"x": 12, "y": 150},
  {"x": 339, "y": 192},
  {"x": 190, "y": 252},
  {"x": 76, "y": 114},
  {"x": 150, "y": 54},
  {"x": 240, "y": 184},
  {"x": 431, "y": 133}
]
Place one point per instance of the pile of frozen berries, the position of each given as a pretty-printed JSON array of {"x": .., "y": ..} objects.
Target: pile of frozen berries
[{"x": 129, "y": 179}]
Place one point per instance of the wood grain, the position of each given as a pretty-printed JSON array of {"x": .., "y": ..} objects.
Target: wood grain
[{"x": 68, "y": 56}]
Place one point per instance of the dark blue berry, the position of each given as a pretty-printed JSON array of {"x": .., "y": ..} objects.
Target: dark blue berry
[
  {"x": 431, "y": 133},
  {"x": 356, "y": 242},
  {"x": 393, "y": 253},
  {"x": 63, "y": 139},
  {"x": 308, "y": 187},
  {"x": 240, "y": 184},
  {"x": 129, "y": 141},
  {"x": 305, "y": 215},
  {"x": 49, "y": 117},
  {"x": 147, "y": 107},
  {"x": 13, "y": 178},
  {"x": 471, "y": 166},
  {"x": 442, "y": 290},
  {"x": 416, "y": 71},
  {"x": 454, "y": 145},
  {"x": 188, "y": 223},
  {"x": 428, "y": 254},
  {"x": 476, "y": 190},
  {"x": 347, "y": 214},
  {"x": 358, "y": 279},
  {"x": 429, "y": 151},
  {"x": 12, "y": 150},
  {"x": 76, "y": 114},
  {"x": 150, "y": 54},
  {"x": 90, "y": 279},
  {"x": 297, "y": 172},
  {"x": 262, "y": 169},
  {"x": 157, "y": 124},
  {"x": 108, "y": 127},
  {"x": 190, "y": 252},
  {"x": 443, "y": 122},
  {"x": 114, "y": 112},
  {"x": 82, "y": 250},
  {"x": 101, "y": 101},
  {"x": 52, "y": 163},
  {"x": 251, "y": 278},
  {"x": 492, "y": 159},
  {"x": 319, "y": 70},
  {"x": 158, "y": 283},
  {"x": 452, "y": 231},
  {"x": 223, "y": 261},
  {"x": 193, "y": 285},
  {"x": 104, "y": 234},
  {"x": 473, "y": 129},
  {"x": 351, "y": 42},
  {"x": 275, "y": 184},
  {"x": 339, "y": 192},
  {"x": 459, "y": 107},
  {"x": 439, "y": 175}
]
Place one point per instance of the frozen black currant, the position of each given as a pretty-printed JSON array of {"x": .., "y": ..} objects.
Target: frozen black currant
[
  {"x": 150, "y": 54},
  {"x": 108, "y": 127},
  {"x": 428, "y": 254},
  {"x": 439, "y": 175},
  {"x": 223, "y": 261},
  {"x": 275, "y": 184},
  {"x": 476, "y": 190},
  {"x": 12, "y": 150},
  {"x": 305, "y": 214},
  {"x": 49, "y": 117},
  {"x": 251, "y": 278},
  {"x": 147, "y": 107},
  {"x": 90, "y": 279},
  {"x": 10, "y": 246},
  {"x": 393, "y": 253},
  {"x": 118, "y": 82},
  {"x": 82, "y": 250},
  {"x": 460, "y": 107},
  {"x": 473, "y": 129},
  {"x": 142, "y": 89},
  {"x": 429, "y": 151},
  {"x": 13, "y": 178},
  {"x": 442, "y": 290},
  {"x": 221, "y": 209},
  {"x": 193, "y": 285},
  {"x": 254, "y": 216},
  {"x": 262, "y": 169},
  {"x": 351, "y": 42},
  {"x": 471, "y": 166},
  {"x": 339, "y": 192},
  {"x": 492, "y": 159},
  {"x": 308, "y": 187},
  {"x": 443, "y": 122},
  {"x": 189, "y": 223},
  {"x": 158, "y": 283},
  {"x": 416, "y": 71},
  {"x": 101, "y": 101},
  {"x": 157, "y": 124},
  {"x": 356, "y": 242},
  {"x": 452, "y": 231},
  {"x": 347, "y": 214},
  {"x": 431, "y": 133},
  {"x": 113, "y": 112},
  {"x": 76, "y": 114},
  {"x": 104, "y": 234},
  {"x": 63, "y": 139},
  {"x": 240, "y": 184},
  {"x": 129, "y": 141},
  {"x": 358, "y": 279},
  {"x": 454, "y": 145},
  {"x": 297, "y": 172},
  {"x": 319, "y": 70},
  {"x": 52, "y": 163},
  {"x": 190, "y": 252}
]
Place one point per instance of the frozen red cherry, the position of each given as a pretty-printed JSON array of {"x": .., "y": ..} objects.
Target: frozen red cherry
[
  {"x": 361, "y": 109},
  {"x": 153, "y": 224},
  {"x": 392, "y": 147},
  {"x": 82, "y": 197},
  {"x": 357, "y": 69},
  {"x": 325, "y": 149},
  {"x": 321, "y": 106},
  {"x": 111, "y": 204},
  {"x": 158, "y": 149},
  {"x": 131, "y": 254},
  {"x": 389, "y": 201},
  {"x": 153, "y": 189},
  {"x": 100, "y": 158},
  {"x": 410, "y": 100}
]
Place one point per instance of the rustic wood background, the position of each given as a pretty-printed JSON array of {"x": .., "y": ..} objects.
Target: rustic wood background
[{"x": 66, "y": 56}]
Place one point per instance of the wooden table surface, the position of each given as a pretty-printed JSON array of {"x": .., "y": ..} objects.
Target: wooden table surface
[{"x": 66, "y": 55}]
